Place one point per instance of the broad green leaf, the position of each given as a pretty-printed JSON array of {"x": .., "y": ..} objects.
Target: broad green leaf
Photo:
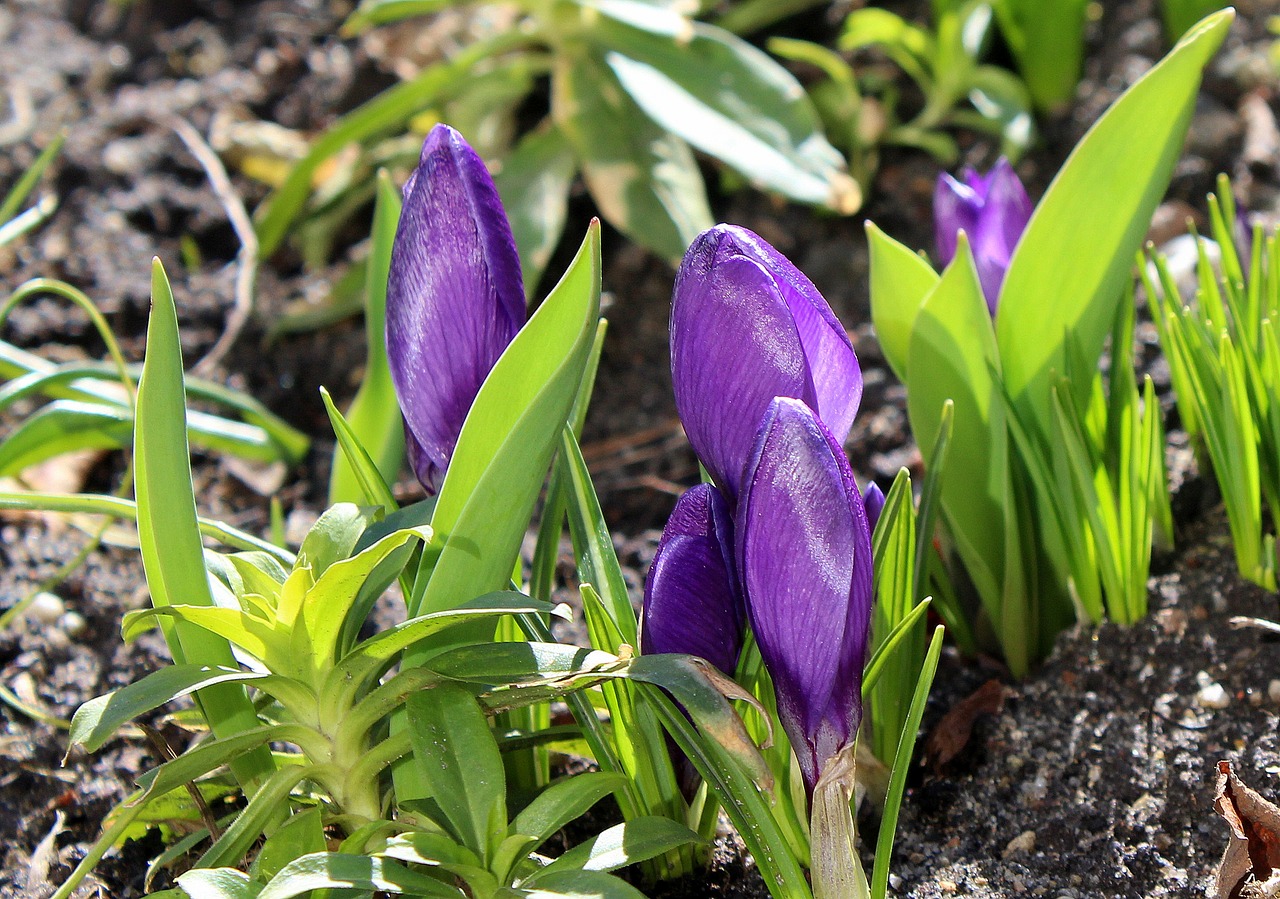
[
  {"x": 212, "y": 754},
  {"x": 218, "y": 883},
  {"x": 508, "y": 440},
  {"x": 619, "y": 846},
  {"x": 563, "y": 802},
  {"x": 168, "y": 533},
  {"x": 579, "y": 885},
  {"x": 333, "y": 537},
  {"x": 910, "y": 46},
  {"x": 381, "y": 12},
  {"x": 456, "y": 754},
  {"x": 331, "y": 870},
  {"x": 350, "y": 587},
  {"x": 534, "y": 184},
  {"x": 900, "y": 282},
  {"x": 261, "y": 639},
  {"x": 725, "y": 97},
  {"x": 374, "y": 414},
  {"x": 1071, "y": 264},
  {"x": 953, "y": 354},
  {"x": 644, "y": 180},
  {"x": 302, "y": 834}
]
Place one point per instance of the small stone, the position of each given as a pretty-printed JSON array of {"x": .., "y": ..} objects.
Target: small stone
[
  {"x": 1273, "y": 692},
  {"x": 895, "y": 882},
  {"x": 1024, "y": 842},
  {"x": 72, "y": 624},
  {"x": 1212, "y": 696},
  {"x": 46, "y": 608},
  {"x": 947, "y": 886}
]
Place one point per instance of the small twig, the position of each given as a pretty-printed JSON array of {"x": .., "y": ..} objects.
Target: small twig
[
  {"x": 166, "y": 753},
  {"x": 246, "y": 258},
  {"x": 1240, "y": 621}
]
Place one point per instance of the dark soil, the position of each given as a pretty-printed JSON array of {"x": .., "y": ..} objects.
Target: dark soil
[{"x": 1106, "y": 754}]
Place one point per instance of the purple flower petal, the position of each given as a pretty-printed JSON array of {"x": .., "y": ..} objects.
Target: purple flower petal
[
  {"x": 873, "y": 503},
  {"x": 955, "y": 209},
  {"x": 804, "y": 555},
  {"x": 455, "y": 297},
  {"x": 691, "y": 597},
  {"x": 746, "y": 326}
]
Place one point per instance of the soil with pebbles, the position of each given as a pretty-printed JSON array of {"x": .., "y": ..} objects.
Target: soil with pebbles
[{"x": 1096, "y": 778}]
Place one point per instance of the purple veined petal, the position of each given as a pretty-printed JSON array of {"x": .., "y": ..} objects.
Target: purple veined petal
[
  {"x": 734, "y": 347},
  {"x": 991, "y": 273},
  {"x": 455, "y": 297},
  {"x": 955, "y": 209},
  {"x": 873, "y": 503},
  {"x": 1006, "y": 208},
  {"x": 691, "y": 598},
  {"x": 833, "y": 364},
  {"x": 804, "y": 557}
]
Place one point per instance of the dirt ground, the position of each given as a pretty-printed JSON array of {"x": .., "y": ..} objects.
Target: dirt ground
[{"x": 1105, "y": 755}]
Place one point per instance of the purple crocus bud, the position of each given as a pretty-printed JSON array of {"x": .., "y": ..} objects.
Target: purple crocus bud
[
  {"x": 993, "y": 210},
  {"x": 455, "y": 297},
  {"x": 747, "y": 326},
  {"x": 873, "y": 502},
  {"x": 804, "y": 555},
  {"x": 691, "y": 598}
]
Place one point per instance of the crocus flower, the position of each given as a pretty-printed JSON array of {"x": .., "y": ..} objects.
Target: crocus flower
[
  {"x": 804, "y": 557},
  {"x": 993, "y": 210},
  {"x": 747, "y": 326},
  {"x": 873, "y": 502},
  {"x": 455, "y": 297},
  {"x": 691, "y": 597}
]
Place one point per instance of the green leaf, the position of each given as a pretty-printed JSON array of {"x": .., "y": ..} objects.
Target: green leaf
[
  {"x": 456, "y": 754},
  {"x": 386, "y": 112},
  {"x": 900, "y": 283},
  {"x": 621, "y": 845},
  {"x": 333, "y": 537},
  {"x": 302, "y": 834},
  {"x": 562, "y": 802},
  {"x": 1047, "y": 40},
  {"x": 593, "y": 547},
  {"x": 508, "y": 439},
  {"x": 1071, "y": 264},
  {"x": 349, "y": 588},
  {"x": 331, "y": 870},
  {"x": 901, "y": 767},
  {"x": 644, "y": 180},
  {"x": 374, "y": 413},
  {"x": 952, "y": 353},
  {"x": 262, "y": 813},
  {"x": 22, "y": 189},
  {"x": 218, "y": 883},
  {"x": 168, "y": 534},
  {"x": 96, "y": 720},
  {"x": 64, "y": 426},
  {"x": 725, "y": 97},
  {"x": 534, "y": 184},
  {"x": 580, "y": 885},
  {"x": 508, "y": 664},
  {"x": 745, "y": 804}
]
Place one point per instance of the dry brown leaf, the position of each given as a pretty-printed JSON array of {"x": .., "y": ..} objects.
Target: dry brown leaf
[
  {"x": 1250, "y": 868},
  {"x": 952, "y": 733}
]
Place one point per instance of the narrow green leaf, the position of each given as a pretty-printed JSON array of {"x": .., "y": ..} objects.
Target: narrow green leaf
[
  {"x": 901, "y": 766},
  {"x": 374, "y": 413},
  {"x": 619, "y": 846},
  {"x": 508, "y": 439},
  {"x": 1070, "y": 266},
  {"x": 168, "y": 533}
]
